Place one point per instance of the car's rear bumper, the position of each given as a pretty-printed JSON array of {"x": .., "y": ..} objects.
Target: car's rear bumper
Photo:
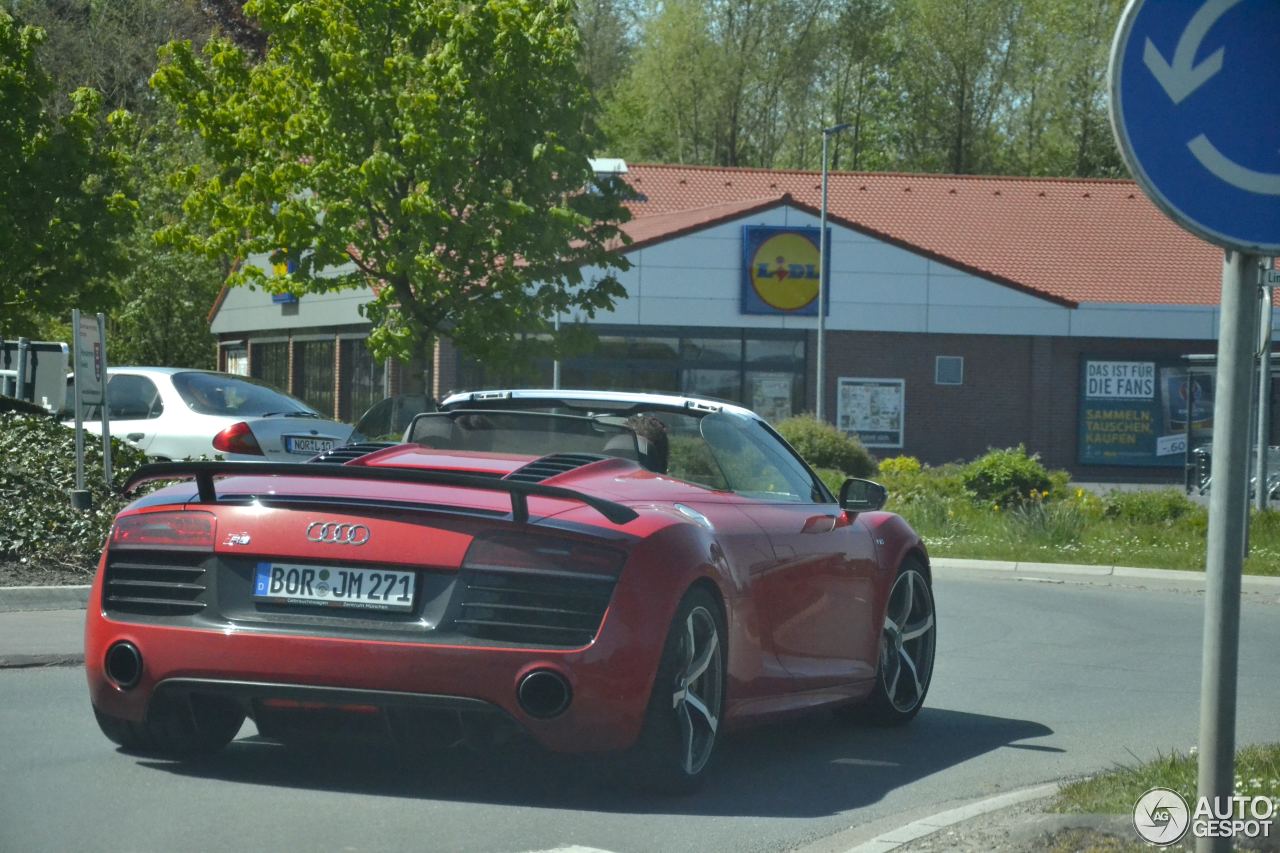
[{"x": 610, "y": 679}]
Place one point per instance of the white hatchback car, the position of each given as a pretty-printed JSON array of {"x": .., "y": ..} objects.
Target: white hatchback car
[{"x": 175, "y": 413}]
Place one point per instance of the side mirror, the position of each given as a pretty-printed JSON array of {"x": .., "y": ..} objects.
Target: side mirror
[{"x": 862, "y": 495}]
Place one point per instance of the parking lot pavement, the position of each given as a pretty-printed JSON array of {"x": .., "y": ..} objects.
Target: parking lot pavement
[{"x": 41, "y": 638}]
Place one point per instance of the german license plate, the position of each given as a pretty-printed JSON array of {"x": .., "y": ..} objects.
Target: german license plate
[
  {"x": 303, "y": 444},
  {"x": 329, "y": 586}
]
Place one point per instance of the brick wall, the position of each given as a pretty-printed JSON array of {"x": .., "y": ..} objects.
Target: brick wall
[{"x": 1016, "y": 390}]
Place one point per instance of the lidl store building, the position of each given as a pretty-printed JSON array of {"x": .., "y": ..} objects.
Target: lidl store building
[{"x": 963, "y": 313}]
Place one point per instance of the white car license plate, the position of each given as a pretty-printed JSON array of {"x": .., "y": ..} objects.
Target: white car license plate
[
  {"x": 302, "y": 444},
  {"x": 328, "y": 586}
]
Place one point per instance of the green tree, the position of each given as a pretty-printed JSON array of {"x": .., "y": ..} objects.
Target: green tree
[
  {"x": 956, "y": 59},
  {"x": 64, "y": 194},
  {"x": 434, "y": 150},
  {"x": 711, "y": 81},
  {"x": 109, "y": 45},
  {"x": 606, "y": 28},
  {"x": 165, "y": 292},
  {"x": 1059, "y": 125},
  {"x": 849, "y": 83}
]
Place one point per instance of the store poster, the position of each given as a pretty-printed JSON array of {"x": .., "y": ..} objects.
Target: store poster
[
  {"x": 872, "y": 409},
  {"x": 1136, "y": 412}
]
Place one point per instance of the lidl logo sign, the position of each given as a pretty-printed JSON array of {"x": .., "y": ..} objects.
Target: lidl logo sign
[{"x": 780, "y": 272}]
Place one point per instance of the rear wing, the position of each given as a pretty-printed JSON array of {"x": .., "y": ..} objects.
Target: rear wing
[{"x": 520, "y": 492}]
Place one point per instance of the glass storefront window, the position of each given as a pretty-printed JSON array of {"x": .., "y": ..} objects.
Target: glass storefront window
[
  {"x": 774, "y": 395},
  {"x": 761, "y": 369},
  {"x": 724, "y": 384},
  {"x": 365, "y": 385},
  {"x": 712, "y": 350},
  {"x": 667, "y": 349},
  {"x": 609, "y": 346},
  {"x": 619, "y": 377},
  {"x": 774, "y": 354},
  {"x": 316, "y": 361},
  {"x": 270, "y": 363},
  {"x": 236, "y": 360}
]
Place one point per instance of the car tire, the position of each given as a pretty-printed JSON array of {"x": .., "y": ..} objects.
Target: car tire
[
  {"x": 176, "y": 727},
  {"x": 908, "y": 643},
  {"x": 682, "y": 720}
]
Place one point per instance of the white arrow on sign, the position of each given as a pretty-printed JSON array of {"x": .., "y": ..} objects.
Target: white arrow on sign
[
  {"x": 1183, "y": 77},
  {"x": 1228, "y": 170}
]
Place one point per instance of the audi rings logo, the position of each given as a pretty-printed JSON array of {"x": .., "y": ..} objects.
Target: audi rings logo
[{"x": 337, "y": 534}]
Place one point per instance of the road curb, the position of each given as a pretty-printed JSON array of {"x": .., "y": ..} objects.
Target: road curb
[
  {"x": 1260, "y": 583},
  {"x": 43, "y": 598},
  {"x": 918, "y": 829}
]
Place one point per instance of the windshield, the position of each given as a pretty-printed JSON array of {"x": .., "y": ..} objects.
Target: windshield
[{"x": 238, "y": 396}]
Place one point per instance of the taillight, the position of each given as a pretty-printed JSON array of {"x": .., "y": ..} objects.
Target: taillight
[
  {"x": 190, "y": 530},
  {"x": 504, "y": 551},
  {"x": 237, "y": 438}
]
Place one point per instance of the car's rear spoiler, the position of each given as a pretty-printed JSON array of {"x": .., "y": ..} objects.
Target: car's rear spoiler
[{"x": 204, "y": 472}]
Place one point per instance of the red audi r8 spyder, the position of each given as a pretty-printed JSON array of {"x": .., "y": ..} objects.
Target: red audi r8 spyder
[{"x": 630, "y": 573}]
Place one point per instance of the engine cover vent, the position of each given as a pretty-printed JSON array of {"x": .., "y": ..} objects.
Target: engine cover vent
[{"x": 550, "y": 466}]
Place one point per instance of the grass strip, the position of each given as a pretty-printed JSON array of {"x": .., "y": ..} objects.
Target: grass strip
[{"x": 1257, "y": 771}]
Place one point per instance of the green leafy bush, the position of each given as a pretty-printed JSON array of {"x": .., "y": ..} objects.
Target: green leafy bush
[
  {"x": 833, "y": 478},
  {"x": 824, "y": 446},
  {"x": 1161, "y": 506},
  {"x": 1006, "y": 478},
  {"x": 37, "y": 469},
  {"x": 942, "y": 481},
  {"x": 896, "y": 466}
]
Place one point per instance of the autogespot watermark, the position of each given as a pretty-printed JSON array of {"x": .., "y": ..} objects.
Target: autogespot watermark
[{"x": 1162, "y": 817}]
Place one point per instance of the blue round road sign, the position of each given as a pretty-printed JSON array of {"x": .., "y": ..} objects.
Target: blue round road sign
[{"x": 1195, "y": 112}]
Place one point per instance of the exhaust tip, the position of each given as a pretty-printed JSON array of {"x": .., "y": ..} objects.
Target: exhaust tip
[
  {"x": 544, "y": 694},
  {"x": 123, "y": 665}
]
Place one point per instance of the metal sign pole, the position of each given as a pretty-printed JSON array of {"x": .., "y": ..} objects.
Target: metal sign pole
[
  {"x": 75, "y": 324},
  {"x": 79, "y": 497},
  {"x": 555, "y": 365},
  {"x": 106, "y": 414},
  {"x": 821, "y": 381},
  {"x": 1264, "y": 400},
  {"x": 1225, "y": 555}
]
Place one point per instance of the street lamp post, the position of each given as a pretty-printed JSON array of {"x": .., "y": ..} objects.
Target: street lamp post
[{"x": 827, "y": 133}]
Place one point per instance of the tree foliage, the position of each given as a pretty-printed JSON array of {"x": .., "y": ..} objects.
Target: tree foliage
[
  {"x": 956, "y": 72},
  {"x": 960, "y": 86},
  {"x": 165, "y": 292},
  {"x": 159, "y": 297},
  {"x": 433, "y": 150},
  {"x": 109, "y": 45},
  {"x": 712, "y": 80},
  {"x": 64, "y": 192},
  {"x": 607, "y": 35}
]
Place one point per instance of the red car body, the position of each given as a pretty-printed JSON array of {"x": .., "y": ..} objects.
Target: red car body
[{"x": 802, "y": 587}]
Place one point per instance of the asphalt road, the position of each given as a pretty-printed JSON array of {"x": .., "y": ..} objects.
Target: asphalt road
[{"x": 1035, "y": 682}]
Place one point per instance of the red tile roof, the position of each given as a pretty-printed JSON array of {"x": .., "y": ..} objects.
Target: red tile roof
[{"x": 1068, "y": 240}]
